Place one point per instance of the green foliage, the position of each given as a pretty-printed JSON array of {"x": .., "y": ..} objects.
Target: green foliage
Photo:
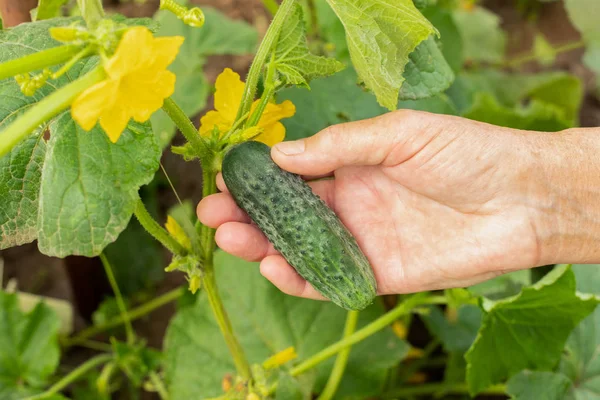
[
  {"x": 220, "y": 35},
  {"x": 289, "y": 388},
  {"x": 528, "y": 385},
  {"x": 581, "y": 361},
  {"x": 136, "y": 360},
  {"x": 74, "y": 206},
  {"x": 332, "y": 100},
  {"x": 513, "y": 329},
  {"x": 380, "y": 38},
  {"x": 267, "y": 321},
  {"x": 456, "y": 335},
  {"x": 29, "y": 350},
  {"x": 293, "y": 59},
  {"x": 450, "y": 40},
  {"x": 48, "y": 9},
  {"x": 584, "y": 15},
  {"x": 483, "y": 40}
]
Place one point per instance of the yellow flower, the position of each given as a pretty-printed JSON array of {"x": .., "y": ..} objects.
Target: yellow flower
[
  {"x": 229, "y": 93},
  {"x": 280, "y": 358},
  {"x": 177, "y": 232},
  {"x": 136, "y": 85}
]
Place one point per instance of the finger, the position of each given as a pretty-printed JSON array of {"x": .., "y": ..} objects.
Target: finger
[
  {"x": 366, "y": 142},
  {"x": 218, "y": 209},
  {"x": 283, "y": 275},
  {"x": 221, "y": 183},
  {"x": 243, "y": 240},
  {"x": 325, "y": 190}
]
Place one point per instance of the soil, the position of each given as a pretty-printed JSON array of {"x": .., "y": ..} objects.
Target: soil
[{"x": 81, "y": 280}]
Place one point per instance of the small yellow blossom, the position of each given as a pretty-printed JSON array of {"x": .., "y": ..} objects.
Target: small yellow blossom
[
  {"x": 136, "y": 85},
  {"x": 399, "y": 329},
  {"x": 177, "y": 232},
  {"x": 280, "y": 358},
  {"x": 228, "y": 95}
]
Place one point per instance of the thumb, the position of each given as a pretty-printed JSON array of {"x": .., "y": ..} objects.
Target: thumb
[{"x": 366, "y": 142}]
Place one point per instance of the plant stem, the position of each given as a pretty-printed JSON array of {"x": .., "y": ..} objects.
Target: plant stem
[
  {"x": 157, "y": 231},
  {"x": 263, "y": 52},
  {"x": 210, "y": 286},
  {"x": 159, "y": 385},
  {"x": 401, "y": 309},
  {"x": 520, "y": 60},
  {"x": 39, "y": 60},
  {"x": 45, "y": 109},
  {"x": 342, "y": 359},
  {"x": 271, "y": 6},
  {"x": 73, "y": 376},
  {"x": 119, "y": 297},
  {"x": 132, "y": 315},
  {"x": 266, "y": 96},
  {"x": 442, "y": 387},
  {"x": 92, "y": 11},
  {"x": 94, "y": 345},
  {"x": 187, "y": 128}
]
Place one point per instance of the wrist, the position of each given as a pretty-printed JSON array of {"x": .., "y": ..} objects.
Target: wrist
[{"x": 565, "y": 195}]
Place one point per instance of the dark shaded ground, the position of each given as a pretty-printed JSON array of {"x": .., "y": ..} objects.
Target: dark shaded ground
[{"x": 58, "y": 278}]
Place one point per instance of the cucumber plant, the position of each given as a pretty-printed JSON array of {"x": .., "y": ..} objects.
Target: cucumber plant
[{"x": 88, "y": 106}]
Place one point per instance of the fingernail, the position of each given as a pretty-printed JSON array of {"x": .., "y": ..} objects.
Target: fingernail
[{"x": 291, "y": 148}]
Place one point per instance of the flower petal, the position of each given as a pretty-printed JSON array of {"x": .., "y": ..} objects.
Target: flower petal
[
  {"x": 229, "y": 93},
  {"x": 276, "y": 112},
  {"x": 209, "y": 120},
  {"x": 88, "y": 106},
  {"x": 135, "y": 51},
  {"x": 114, "y": 121},
  {"x": 165, "y": 50},
  {"x": 273, "y": 135}
]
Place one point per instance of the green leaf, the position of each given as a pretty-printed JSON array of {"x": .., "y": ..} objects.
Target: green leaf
[
  {"x": 48, "y": 9},
  {"x": 293, "y": 59},
  {"x": 33, "y": 204},
  {"x": 581, "y": 361},
  {"x": 219, "y": 35},
  {"x": 267, "y": 321},
  {"x": 584, "y": 15},
  {"x": 439, "y": 104},
  {"x": 502, "y": 286},
  {"x": 332, "y": 100},
  {"x": 450, "y": 40},
  {"x": 536, "y": 116},
  {"x": 332, "y": 31},
  {"x": 482, "y": 37},
  {"x": 456, "y": 336},
  {"x": 90, "y": 185},
  {"x": 560, "y": 90},
  {"x": 29, "y": 350},
  {"x": 543, "y": 50},
  {"x": 526, "y": 331},
  {"x": 289, "y": 388},
  {"x": 136, "y": 360},
  {"x": 20, "y": 175},
  {"x": 427, "y": 73},
  {"x": 528, "y": 385},
  {"x": 380, "y": 36}
]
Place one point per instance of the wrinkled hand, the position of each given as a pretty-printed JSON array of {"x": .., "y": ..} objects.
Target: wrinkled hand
[{"x": 434, "y": 201}]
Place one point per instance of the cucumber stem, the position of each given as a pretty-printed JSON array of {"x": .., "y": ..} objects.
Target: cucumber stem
[{"x": 341, "y": 361}]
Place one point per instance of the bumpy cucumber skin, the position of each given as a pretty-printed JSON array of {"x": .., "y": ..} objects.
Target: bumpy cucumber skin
[{"x": 300, "y": 225}]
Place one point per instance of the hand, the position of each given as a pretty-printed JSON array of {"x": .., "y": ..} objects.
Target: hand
[{"x": 434, "y": 201}]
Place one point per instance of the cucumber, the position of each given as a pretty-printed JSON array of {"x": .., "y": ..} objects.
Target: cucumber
[{"x": 300, "y": 225}]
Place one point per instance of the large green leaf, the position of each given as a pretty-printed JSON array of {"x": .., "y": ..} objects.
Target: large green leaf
[
  {"x": 502, "y": 286},
  {"x": 293, "y": 59},
  {"x": 219, "y": 35},
  {"x": 48, "y": 9},
  {"x": 482, "y": 37},
  {"x": 526, "y": 331},
  {"x": 427, "y": 73},
  {"x": 332, "y": 100},
  {"x": 450, "y": 38},
  {"x": 380, "y": 36},
  {"x": 581, "y": 361},
  {"x": 29, "y": 350},
  {"x": 528, "y": 385},
  {"x": 457, "y": 335},
  {"x": 74, "y": 193},
  {"x": 267, "y": 321},
  {"x": 536, "y": 116}
]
